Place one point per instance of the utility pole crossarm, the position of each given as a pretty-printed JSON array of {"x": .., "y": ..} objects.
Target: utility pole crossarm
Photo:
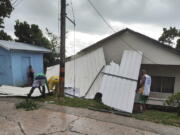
[{"x": 73, "y": 22}]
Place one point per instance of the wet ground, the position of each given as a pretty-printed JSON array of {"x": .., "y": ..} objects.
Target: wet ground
[{"x": 58, "y": 120}]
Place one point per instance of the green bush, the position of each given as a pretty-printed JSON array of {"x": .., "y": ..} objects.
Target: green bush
[
  {"x": 27, "y": 105},
  {"x": 174, "y": 100}
]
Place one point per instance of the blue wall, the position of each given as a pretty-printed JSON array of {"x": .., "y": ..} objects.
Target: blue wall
[
  {"x": 5, "y": 67},
  {"x": 20, "y": 63}
]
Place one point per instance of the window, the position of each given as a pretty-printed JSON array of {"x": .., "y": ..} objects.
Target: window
[{"x": 162, "y": 84}]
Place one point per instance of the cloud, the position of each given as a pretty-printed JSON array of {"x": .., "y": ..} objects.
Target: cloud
[
  {"x": 162, "y": 13},
  {"x": 145, "y": 16},
  {"x": 159, "y": 12},
  {"x": 82, "y": 40},
  {"x": 41, "y": 12}
]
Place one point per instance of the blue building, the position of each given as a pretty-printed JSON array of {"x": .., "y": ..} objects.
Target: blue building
[{"x": 15, "y": 59}]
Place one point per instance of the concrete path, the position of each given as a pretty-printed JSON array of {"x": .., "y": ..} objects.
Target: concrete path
[{"x": 58, "y": 120}]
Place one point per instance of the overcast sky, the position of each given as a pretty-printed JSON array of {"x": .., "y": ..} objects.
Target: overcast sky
[{"x": 145, "y": 16}]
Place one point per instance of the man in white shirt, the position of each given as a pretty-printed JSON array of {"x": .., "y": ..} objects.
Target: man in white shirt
[{"x": 144, "y": 87}]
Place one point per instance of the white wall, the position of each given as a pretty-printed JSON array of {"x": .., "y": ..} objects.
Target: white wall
[
  {"x": 152, "y": 53},
  {"x": 167, "y": 71}
]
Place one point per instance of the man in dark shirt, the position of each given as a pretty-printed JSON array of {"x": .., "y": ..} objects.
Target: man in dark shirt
[{"x": 39, "y": 82}]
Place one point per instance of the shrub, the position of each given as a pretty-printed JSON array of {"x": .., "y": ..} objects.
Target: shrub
[
  {"x": 27, "y": 105},
  {"x": 174, "y": 100}
]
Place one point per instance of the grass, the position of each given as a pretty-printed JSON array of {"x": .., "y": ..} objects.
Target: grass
[
  {"x": 75, "y": 102},
  {"x": 166, "y": 118},
  {"x": 28, "y": 105}
]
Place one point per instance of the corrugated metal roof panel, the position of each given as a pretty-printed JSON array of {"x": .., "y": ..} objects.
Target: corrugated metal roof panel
[
  {"x": 119, "y": 82},
  {"x": 17, "y": 91},
  {"x": 87, "y": 68},
  {"x": 95, "y": 87},
  {"x": 52, "y": 71},
  {"x": 11, "y": 45}
]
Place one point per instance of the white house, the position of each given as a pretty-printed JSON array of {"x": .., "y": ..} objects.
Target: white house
[{"x": 162, "y": 62}]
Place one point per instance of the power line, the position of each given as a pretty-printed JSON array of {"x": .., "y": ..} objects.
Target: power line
[
  {"x": 74, "y": 24},
  {"x": 73, "y": 12},
  {"x": 102, "y": 17},
  {"x": 106, "y": 22},
  {"x": 16, "y": 3},
  {"x": 13, "y": 3},
  {"x": 137, "y": 51},
  {"x": 58, "y": 17}
]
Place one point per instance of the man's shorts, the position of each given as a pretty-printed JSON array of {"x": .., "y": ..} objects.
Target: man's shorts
[
  {"x": 38, "y": 83},
  {"x": 141, "y": 99}
]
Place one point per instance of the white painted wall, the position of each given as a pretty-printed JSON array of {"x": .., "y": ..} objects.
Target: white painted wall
[
  {"x": 168, "y": 71},
  {"x": 152, "y": 53}
]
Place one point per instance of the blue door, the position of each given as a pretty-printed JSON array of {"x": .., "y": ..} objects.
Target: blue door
[
  {"x": 3, "y": 72},
  {"x": 26, "y": 61}
]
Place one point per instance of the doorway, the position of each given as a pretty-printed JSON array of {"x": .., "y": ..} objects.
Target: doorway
[{"x": 26, "y": 61}]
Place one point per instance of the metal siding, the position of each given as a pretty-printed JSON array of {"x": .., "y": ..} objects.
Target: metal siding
[
  {"x": 95, "y": 87},
  {"x": 86, "y": 69},
  {"x": 36, "y": 60},
  {"x": 52, "y": 71},
  {"x": 5, "y": 67},
  {"x": 117, "y": 92}
]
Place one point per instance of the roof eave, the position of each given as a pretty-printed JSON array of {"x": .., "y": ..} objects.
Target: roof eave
[
  {"x": 6, "y": 48},
  {"x": 30, "y": 51}
]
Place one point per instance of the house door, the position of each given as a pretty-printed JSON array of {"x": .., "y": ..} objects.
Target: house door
[
  {"x": 26, "y": 61},
  {"x": 3, "y": 66}
]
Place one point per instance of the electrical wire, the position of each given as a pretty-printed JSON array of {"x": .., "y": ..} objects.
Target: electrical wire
[
  {"x": 74, "y": 46},
  {"x": 13, "y": 3},
  {"x": 102, "y": 17},
  {"x": 147, "y": 58},
  {"x": 17, "y": 3},
  {"x": 73, "y": 21},
  {"x": 59, "y": 24},
  {"x": 58, "y": 18},
  {"x": 106, "y": 22},
  {"x": 73, "y": 13}
]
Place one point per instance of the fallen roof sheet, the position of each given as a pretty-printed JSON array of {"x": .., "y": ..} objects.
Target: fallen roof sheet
[
  {"x": 95, "y": 87},
  {"x": 71, "y": 92},
  {"x": 52, "y": 71},
  {"x": 12, "y": 45},
  {"x": 120, "y": 81},
  {"x": 12, "y": 91}
]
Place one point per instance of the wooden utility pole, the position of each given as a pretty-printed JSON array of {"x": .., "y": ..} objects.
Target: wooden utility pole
[{"x": 62, "y": 49}]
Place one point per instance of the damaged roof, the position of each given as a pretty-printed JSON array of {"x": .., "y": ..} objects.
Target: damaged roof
[{"x": 12, "y": 45}]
